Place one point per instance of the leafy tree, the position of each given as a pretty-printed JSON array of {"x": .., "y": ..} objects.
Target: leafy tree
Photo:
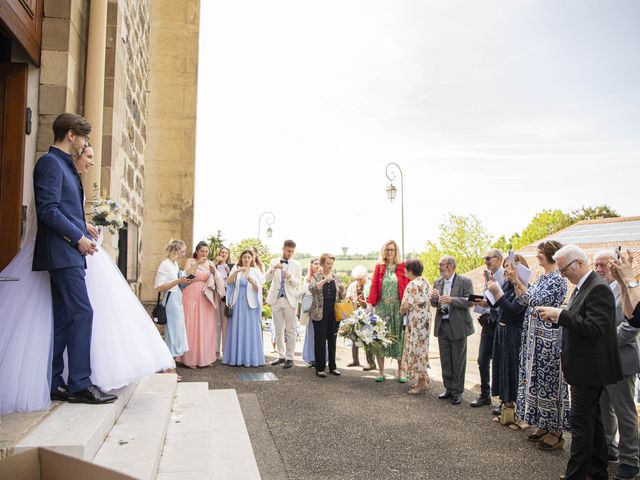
[
  {"x": 591, "y": 213},
  {"x": 216, "y": 242},
  {"x": 245, "y": 244},
  {"x": 502, "y": 244},
  {"x": 542, "y": 224},
  {"x": 464, "y": 238}
]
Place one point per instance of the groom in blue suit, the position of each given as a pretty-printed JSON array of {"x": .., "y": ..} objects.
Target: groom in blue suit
[{"x": 62, "y": 242}]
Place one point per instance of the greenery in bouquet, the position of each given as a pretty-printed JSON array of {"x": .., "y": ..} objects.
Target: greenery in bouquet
[
  {"x": 366, "y": 329},
  {"x": 105, "y": 212}
]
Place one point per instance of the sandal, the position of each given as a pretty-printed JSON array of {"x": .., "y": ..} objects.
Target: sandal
[
  {"x": 557, "y": 445},
  {"x": 536, "y": 437},
  {"x": 403, "y": 379},
  {"x": 418, "y": 390},
  {"x": 380, "y": 379},
  {"x": 520, "y": 425}
]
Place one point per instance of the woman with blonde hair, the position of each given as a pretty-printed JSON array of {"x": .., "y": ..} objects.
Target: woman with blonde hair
[{"x": 387, "y": 290}]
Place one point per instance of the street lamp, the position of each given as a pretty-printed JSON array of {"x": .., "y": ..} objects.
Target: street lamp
[
  {"x": 268, "y": 222},
  {"x": 391, "y": 193}
]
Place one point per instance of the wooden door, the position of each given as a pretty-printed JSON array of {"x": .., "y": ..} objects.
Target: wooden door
[{"x": 13, "y": 106}]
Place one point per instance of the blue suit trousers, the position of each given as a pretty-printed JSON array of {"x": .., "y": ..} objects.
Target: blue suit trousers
[{"x": 72, "y": 324}]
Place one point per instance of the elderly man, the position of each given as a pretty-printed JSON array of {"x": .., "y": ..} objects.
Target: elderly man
[
  {"x": 453, "y": 325},
  {"x": 590, "y": 359},
  {"x": 618, "y": 401},
  {"x": 488, "y": 321}
]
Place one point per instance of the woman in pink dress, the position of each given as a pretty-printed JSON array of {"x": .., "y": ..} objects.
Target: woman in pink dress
[{"x": 200, "y": 310}]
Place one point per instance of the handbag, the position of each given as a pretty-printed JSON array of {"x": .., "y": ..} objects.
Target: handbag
[
  {"x": 307, "y": 301},
  {"x": 228, "y": 311},
  {"x": 343, "y": 310},
  {"x": 507, "y": 415},
  {"x": 159, "y": 313}
]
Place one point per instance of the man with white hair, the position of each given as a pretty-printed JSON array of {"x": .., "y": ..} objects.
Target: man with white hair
[
  {"x": 590, "y": 359},
  {"x": 357, "y": 292},
  {"x": 617, "y": 402}
]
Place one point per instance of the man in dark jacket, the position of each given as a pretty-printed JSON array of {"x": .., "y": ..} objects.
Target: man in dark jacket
[{"x": 590, "y": 359}]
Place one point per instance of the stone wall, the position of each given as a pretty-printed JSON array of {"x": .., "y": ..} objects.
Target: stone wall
[
  {"x": 171, "y": 127},
  {"x": 62, "y": 68},
  {"x": 125, "y": 130}
]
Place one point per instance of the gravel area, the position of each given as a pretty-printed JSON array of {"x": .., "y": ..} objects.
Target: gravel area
[{"x": 350, "y": 427}]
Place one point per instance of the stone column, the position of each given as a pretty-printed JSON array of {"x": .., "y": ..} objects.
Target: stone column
[{"x": 94, "y": 89}]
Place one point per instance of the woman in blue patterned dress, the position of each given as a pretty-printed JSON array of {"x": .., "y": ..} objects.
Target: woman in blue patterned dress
[{"x": 543, "y": 395}]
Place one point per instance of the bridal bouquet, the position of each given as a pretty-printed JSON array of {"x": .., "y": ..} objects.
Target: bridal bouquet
[
  {"x": 366, "y": 329},
  {"x": 105, "y": 212}
]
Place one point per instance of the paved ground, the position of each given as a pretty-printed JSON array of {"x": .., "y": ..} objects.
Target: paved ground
[{"x": 349, "y": 427}]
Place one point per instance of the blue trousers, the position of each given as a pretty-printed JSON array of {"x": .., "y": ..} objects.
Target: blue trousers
[{"x": 72, "y": 324}]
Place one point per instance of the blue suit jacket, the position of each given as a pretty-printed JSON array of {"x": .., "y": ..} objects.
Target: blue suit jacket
[{"x": 60, "y": 210}]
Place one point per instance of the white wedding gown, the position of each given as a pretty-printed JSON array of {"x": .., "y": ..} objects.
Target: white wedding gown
[{"x": 125, "y": 344}]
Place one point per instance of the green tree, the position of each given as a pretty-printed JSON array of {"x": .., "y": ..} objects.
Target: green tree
[
  {"x": 464, "y": 238},
  {"x": 542, "y": 224},
  {"x": 502, "y": 244},
  {"x": 591, "y": 213},
  {"x": 245, "y": 244},
  {"x": 216, "y": 242}
]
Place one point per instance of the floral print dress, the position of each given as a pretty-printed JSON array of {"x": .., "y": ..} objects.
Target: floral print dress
[
  {"x": 415, "y": 356},
  {"x": 543, "y": 395},
  {"x": 388, "y": 309}
]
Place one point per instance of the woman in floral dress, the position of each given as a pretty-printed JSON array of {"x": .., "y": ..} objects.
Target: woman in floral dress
[
  {"x": 415, "y": 305},
  {"x": 387, "y": 289},
  {"x": 543, "y": 395}
]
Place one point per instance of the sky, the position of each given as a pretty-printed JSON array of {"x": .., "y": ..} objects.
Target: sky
[{"x": 498, "y": 109}]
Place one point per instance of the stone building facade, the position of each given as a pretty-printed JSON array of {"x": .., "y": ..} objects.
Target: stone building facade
[{"x": 130, "y": 67}]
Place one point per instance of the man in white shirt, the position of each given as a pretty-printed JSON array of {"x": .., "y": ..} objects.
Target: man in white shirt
[{"x": 284, "y": 275}]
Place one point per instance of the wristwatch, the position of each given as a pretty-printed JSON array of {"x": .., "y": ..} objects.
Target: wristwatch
[{"x": 632, "y": 284}]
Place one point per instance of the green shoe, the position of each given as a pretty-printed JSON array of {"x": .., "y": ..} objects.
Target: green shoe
[
  {"x": 380, "y": 378},
  {"x": 403, "y": 379}
]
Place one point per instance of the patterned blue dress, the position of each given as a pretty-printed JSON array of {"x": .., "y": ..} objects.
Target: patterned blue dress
[{"x": 543, "y": 395}]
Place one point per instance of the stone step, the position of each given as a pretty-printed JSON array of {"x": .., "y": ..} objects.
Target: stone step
[
  {"x": 77, "y": 429},
  {"x": 187, "y": 447},
  {"x": 232, "y": 452},
  {"x": 135, "y": 443}
]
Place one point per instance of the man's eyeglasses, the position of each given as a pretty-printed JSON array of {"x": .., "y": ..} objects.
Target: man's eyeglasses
[
  {"x": 487, "y": 259},
  {"x": 564, "y": 269}
]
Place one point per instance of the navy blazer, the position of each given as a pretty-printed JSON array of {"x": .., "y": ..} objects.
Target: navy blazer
[
  {"x": 60, "y": 211},
  {"x": 511, "y": 311}
]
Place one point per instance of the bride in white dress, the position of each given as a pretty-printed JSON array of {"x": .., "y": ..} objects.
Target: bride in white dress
[{"x": 125, "y": 344}]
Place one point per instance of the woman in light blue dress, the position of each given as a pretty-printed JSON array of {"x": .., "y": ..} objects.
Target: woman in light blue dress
[
  {"x": 243, "y": 344},
  {"x": 169, "y": 278},
  {"x": 308, "y": 353}
]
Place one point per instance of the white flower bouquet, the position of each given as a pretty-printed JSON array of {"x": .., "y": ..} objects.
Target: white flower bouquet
[
  {"x": 105, "y": 212},
  {"x": 366, "y": 329}
]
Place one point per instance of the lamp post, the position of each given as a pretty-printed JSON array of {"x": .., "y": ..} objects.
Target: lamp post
[
  {"x": 268, "y": 222},
  {"x": 392, "y": 191}
]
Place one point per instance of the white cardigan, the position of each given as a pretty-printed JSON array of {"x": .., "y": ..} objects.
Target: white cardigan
[{"x": 252, "y": 295}]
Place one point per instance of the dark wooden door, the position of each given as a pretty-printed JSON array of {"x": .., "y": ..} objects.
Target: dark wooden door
[{"x": 13, "y": 106}]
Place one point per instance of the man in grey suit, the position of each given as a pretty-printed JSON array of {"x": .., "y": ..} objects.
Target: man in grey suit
[
  {"x": 453, "y": 325},
  {"x": 617, "y": 402}
]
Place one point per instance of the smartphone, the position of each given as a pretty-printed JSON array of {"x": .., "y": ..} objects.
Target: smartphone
[
  {"x": 487, "y": 275},
  {"x": 618, "y": 251},
  {"x": 512, "y": 257},
  {"x": 191, "y": 277},
  {"x": 475, "y": 298}
]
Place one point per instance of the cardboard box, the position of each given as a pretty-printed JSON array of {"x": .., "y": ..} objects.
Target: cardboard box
[{"x": 44, "y": 464}]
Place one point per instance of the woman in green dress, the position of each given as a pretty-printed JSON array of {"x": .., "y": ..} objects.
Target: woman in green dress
[{"x": 387, "y": 290}]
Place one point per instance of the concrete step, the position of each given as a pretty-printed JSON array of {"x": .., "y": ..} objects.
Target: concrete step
[
  {"x": 232, "y": 452},
  {"x": 135, "y": 443},
  {"x": 187, "y": 447},
  {"x": 77, "y": 429}
]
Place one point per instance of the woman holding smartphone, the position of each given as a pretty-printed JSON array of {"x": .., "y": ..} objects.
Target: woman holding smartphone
[
  {"x": 199, "y": 312},
  {"x": 243, "y": 345},
  {"x": 169, "y": 278}
]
